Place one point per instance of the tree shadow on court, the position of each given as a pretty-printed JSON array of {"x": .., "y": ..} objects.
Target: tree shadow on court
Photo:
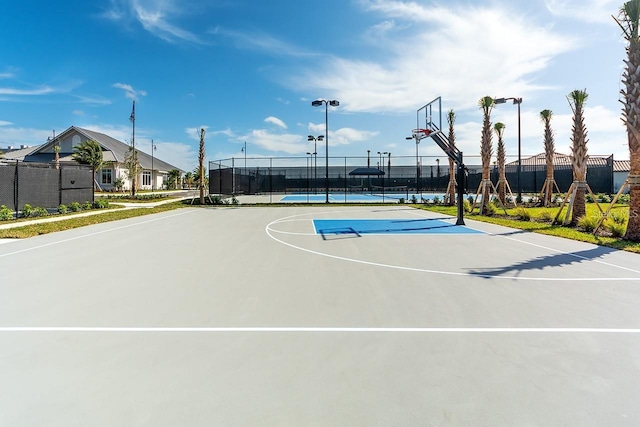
[{"x": 542, "y": 262}]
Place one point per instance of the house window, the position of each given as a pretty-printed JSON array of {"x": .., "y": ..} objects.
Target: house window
[
  {"x": 106, "y": 176},
  {"x": 146, "y": 178},
  {"x": 75, "y": 140}
]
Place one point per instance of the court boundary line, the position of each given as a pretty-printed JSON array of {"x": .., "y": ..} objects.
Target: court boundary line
[
  {"x": 269, "y": 230},
  {"x": 311, "y": 329}
]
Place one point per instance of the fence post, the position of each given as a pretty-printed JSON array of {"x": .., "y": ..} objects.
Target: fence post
[
  {"x": 59, "y": 186},
  {"x": 15, "y": 190}
]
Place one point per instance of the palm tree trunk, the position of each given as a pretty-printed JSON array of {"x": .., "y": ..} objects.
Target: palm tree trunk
[{"x": 451, "y": 188}]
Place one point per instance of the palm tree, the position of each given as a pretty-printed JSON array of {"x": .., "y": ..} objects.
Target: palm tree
[
  {"x": 486, "y": 150},
  {"x": 451, "y": 188},
  {"x": 629, "y": 22},
  {"x": 577, "y": 99},
  {"x": 173, "y": 178},
  {"x": 189, "y": 179},
  {"x": 549, "y": 151},
  {"x": 89, "y": 152},
  {"x": 501, "y": 157},
  {"x": 131, "y": 164},
  {"x": 56, "y": 155},
  {"x": 201, "y": 156}
]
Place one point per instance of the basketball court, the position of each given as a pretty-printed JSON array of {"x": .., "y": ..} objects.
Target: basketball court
[{"x": 329, "y": 315}]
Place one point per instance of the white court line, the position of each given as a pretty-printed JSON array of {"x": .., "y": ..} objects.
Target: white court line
[
  {"x": 93, "y": 234},
  {"x": 25, "y": 329},
  {"x": 271, "y": 231}
]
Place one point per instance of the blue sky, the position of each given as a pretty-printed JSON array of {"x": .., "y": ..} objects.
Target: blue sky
[{"x": 247, "y": 70}]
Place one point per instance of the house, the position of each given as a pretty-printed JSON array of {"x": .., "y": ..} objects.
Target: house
[{"x": 152, "y": 174}]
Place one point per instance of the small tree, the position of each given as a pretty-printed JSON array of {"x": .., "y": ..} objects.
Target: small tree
[
  {"x": 131, "y": 165},
  {"x": 451, "y": 188},
  {"x": 486, "y": 151},
  {"x": 629, "y": 22},
  {"x": 56, "y": 155},
  {"x": 201, "y": 156},
  {"x": 89, "y": 152},
  {"x": 577, "y": 99},
  {"x": 173, "y": 178},
  {"x": 549, "y": 151},
  {"x": 501, "y": 157}
]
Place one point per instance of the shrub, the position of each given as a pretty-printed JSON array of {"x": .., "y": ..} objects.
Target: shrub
[
  {"x": 616, "y": 229},
  {"x": 624, "y": 198},
  {"x": 62, "y": 209},
  {"x": 436, "y": 200},
  {"x": 27, "y": 210},
  {"x": 414, "y": 199},
  {"x": 467, "y": 206},
  {"x": 556, "y": 199},
  {"x": 619, "y": 217},
  {"x": 99, "y": 204},
  {"x": 588, "y": 197},
  {"x": 489, "y": 209},
  {"x": 523, "y": 214},
  {"x": 588, "y": 223},
  {"x": 74, "y": 206},
  {"x": 6, "y": 214},
  {"x": 401, "y": 200},
  {"x": 234, "y": 201},
  {"x": 604, "y": 198},
  {"x": 39, "y": 211},
  {"x": 545, "y": 216}
]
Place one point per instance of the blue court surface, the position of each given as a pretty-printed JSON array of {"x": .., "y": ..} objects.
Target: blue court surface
[
  {"x": 389, "y": 226},
  {"x": 356, "y": 197}
]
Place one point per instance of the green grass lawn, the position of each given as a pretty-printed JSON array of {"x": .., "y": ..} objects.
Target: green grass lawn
[
  {"x": 30, "y": 230},
  {"x": 539, "y": 222}
]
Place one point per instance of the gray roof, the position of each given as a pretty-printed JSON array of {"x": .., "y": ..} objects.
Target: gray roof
[
  {"x": 18, "y": 154},
  {"x": 119, "y": 151},
  {"x": 113, "y": 150}
]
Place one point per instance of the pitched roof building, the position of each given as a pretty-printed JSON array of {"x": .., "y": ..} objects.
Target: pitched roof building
[{"x": 153, "y": 171}]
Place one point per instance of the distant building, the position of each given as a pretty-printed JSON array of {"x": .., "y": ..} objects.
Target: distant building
[{"x": 153, "y": 171}]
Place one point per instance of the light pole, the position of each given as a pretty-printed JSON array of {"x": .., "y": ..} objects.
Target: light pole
[
  {"x": 516, "y": 101},
  {"x": 333, "y": 103},
  {"x": 153, "y": 148},
  {"x": 381, "y": 166},
  {"x": 315, "y": 140},
  {"x": 244, "y": 150},
  {"x": 309, "y": 162},
  {"x": 417, "y": 138}
]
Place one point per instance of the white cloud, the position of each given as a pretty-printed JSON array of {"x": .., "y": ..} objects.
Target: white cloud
[
  {"x": 96, "y": 100},
  {"x": 42, "y": 90},
  {"x": 276, "y": 121},
  {"x": 465, "y": 53},
  {"x": 591, "y": 11},
  {"x": 278, "y": 143},
  {"x": 262, "y": 42},
  {"x": 129, "y": 91},
  {"x": 3, "y": 123},
  {"x": 17, "y": 136},
  {"x": 155, "y": 17}
]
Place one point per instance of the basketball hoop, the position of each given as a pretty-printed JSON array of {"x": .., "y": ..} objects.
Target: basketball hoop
[{"x": 419, "y": 134}]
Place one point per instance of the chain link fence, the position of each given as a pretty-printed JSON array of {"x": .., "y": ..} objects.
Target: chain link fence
[{"x": 411, "y": 174}]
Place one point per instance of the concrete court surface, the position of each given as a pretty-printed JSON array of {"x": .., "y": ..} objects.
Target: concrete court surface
[{"x": 246, "y": 317}]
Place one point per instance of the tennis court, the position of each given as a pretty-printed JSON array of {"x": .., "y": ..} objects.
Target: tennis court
[
  {"x": 260, "y": 316},
  {"x": 361, "y": 197}
]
